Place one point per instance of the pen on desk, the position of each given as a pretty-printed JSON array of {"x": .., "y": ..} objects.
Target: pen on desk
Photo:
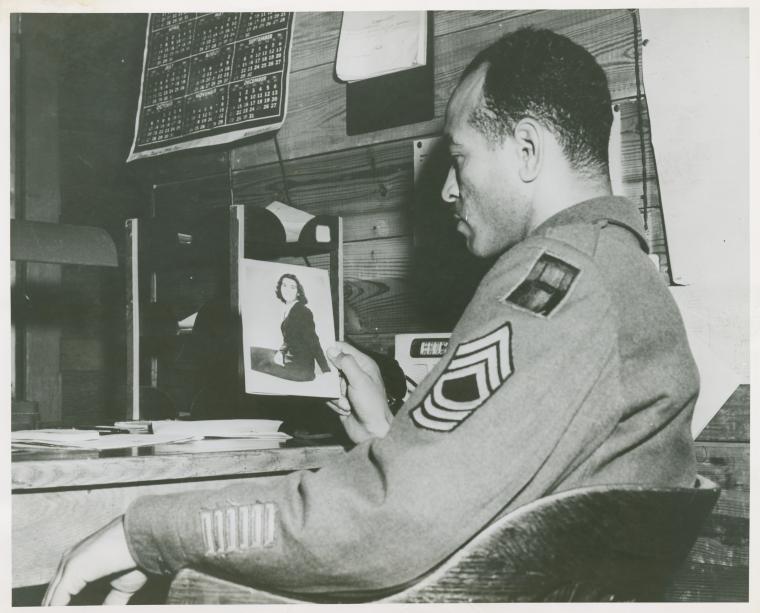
[{"x": 104, "y": 429}]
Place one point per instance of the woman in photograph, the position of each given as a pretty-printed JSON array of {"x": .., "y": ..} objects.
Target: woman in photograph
[{"x": 300, "y": 348}]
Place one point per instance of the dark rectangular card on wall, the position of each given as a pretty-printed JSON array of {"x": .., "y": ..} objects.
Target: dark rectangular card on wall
[
  {"x": 395, "y": 99},
  {"x": 391, "y": 100}
]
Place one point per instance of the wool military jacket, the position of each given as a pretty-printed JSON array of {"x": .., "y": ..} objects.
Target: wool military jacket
[{"x": 569, "y": 367}]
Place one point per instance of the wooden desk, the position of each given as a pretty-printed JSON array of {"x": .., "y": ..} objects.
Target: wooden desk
[{"x": 61, "y": 496}]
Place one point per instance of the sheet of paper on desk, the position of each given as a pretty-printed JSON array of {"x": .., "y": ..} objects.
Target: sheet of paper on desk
[
  {"x": 208, "y": 445},
  {"x": 54, "y": 436},
  {"x": 372, "y": 44},
  {"x": 222, "y": 428},
  {"x": 110, "y": 441}
]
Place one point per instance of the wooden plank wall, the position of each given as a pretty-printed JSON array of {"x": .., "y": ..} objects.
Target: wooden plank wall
[
  {"x": 97, "y": 81},
  {"x": 39, "y": 200},
  {"x": 717, "y": 568}
]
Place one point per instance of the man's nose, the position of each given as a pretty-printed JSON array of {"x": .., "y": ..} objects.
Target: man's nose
[{"x": 450, "y": 189}]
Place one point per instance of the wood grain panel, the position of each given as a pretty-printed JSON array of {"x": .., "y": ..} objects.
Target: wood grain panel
[
  {"x": 710, "y": 550},
  {"x": 725, "y": 463},
  {"x": 382, "y": 306},
  {"x": 188, "y": 200},
  {"x": 94, "y": 158},
  {"x": 381, "y": 342},
  {"x": 384, "y": 258},
  {"x": 86, "y": 396},
  {"x": 630, "y": 141},
  {"x": 370, "y": 187},
  {"x": 316, "y": 115},
  {"x": 448, "y": 22},
  {"x": 84, "y": 469},
  {"x": 101, "y": 70},
  {"x": 731, "y": 423},
  {"x": 40, "y": 177},
  {"x": 608, "y": 35},
  {"x": 728, "y": 465},
  {"x": 82, "y": 354},
  {"x": 717, "y": 566},
  {"x": 315, "y": 37},
  {"x": 698, "y": 582},
  {"x": 181, "y": 166}
]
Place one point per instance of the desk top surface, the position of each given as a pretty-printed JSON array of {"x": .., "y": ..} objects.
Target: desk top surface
[{"x": 34, "y": 469}]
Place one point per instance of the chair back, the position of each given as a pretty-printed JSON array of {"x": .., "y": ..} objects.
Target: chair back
[{"x": 599, "y": 543}]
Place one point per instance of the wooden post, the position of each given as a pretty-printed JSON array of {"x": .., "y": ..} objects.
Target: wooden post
[
  {"x": 133, "y": 321},
  {"x": 237, "y": 253}
]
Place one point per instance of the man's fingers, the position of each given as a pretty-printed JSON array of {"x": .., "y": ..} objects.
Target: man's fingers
[
  {"x": 52, "y": 589},
  {"x": 340, "y": 405},
  {"x": 116, "y": 597},
  {"x": 347, "y": 348},
  {"x": 347, "y": 365},
  {"x": 125, "y": 586},
  {"x": 67, "y": 586}
]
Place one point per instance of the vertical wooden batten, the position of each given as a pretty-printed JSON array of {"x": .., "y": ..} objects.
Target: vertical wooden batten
[{"x": 40, "y": 201}]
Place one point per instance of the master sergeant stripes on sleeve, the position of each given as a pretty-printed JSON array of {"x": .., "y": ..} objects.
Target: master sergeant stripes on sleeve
[
  {"x": 238, "y": 528},
  {"x": 477, "y": 369}
]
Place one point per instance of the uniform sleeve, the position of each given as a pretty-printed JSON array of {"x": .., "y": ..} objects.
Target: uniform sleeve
[{"x": 532, "y": 362}]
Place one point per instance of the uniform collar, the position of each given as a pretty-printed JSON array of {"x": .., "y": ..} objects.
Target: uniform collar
[{"x": 612, "y": 209}]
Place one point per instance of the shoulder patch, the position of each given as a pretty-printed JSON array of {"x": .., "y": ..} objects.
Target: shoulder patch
[
  {"x": 545, "y": 286},
  {"x": 477, "y": 369}
]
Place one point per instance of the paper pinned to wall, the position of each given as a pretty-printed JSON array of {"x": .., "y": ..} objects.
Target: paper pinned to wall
[
  {"x": 372, "y": 44},
  {"x": 695, "y": 72},
  {"x": 717, "y": 379}
]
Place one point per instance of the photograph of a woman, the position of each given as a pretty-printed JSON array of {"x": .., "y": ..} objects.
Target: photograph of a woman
[
  {"x": 295, "y": 359},
  {"x": 287, "y": 324}
]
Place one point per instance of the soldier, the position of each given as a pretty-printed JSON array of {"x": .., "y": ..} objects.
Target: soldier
[{"x": 569, "y": 367}]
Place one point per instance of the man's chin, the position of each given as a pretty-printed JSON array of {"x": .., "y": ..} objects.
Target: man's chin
[{"x": 473, "y": 247}]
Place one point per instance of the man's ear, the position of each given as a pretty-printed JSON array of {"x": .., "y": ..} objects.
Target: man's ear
[{"x": 529, "y": 142}]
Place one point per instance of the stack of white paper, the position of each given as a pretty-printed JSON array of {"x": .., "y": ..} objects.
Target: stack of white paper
[
  {"x": 83, "y": 439},
  {"x": 54, "y": 436},
  {"x": 222, "y": 428}
]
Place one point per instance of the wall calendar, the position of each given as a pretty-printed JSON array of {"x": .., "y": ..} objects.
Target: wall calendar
[{"x": 210, "y": 79}]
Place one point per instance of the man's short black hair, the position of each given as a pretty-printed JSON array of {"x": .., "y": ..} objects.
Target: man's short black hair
[{"x": 541, "y": 74}]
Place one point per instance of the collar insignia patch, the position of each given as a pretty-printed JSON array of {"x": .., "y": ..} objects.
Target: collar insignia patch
[
  {"x": 546, "y": 285},
  {"x": 475, "y": 372}
]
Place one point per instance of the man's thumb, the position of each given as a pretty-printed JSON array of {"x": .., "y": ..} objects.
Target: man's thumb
[{"x": 347, "y": 365}]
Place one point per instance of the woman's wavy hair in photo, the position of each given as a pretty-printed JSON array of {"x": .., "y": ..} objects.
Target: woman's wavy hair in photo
[{"x": 300, "y": 295}]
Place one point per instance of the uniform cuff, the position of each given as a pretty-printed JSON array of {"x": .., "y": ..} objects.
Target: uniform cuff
[{"x": 151, "y": 525}]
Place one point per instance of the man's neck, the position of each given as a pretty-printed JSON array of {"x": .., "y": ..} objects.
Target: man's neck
[{"x": 565, "y": 192}]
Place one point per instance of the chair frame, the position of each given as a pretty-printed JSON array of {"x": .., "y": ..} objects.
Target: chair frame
[{"x": 515, "y": 558}]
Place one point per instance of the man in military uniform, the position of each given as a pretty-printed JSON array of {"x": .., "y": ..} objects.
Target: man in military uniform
[{"x": 569, "y": 367}]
